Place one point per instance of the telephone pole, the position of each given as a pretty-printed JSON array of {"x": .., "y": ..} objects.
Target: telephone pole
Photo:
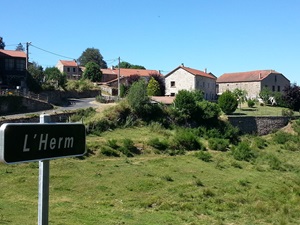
[
  {"x": 119, "y": 78},
  {"x": 27, "y": 54}
]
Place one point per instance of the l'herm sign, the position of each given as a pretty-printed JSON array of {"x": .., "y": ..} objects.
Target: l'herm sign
[{"x": 22, "y": 142}]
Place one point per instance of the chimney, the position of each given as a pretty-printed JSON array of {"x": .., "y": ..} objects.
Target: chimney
[
  {"x": 182, "y": 65},
  {"x": 205, "y": 70},
  {"x": 112, "y": 67}
]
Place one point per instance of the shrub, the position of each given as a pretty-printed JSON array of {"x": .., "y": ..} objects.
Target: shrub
[
  {"x": 209, "y": 110},
  {"x": 227, "y": 102},
  {"x": 281, "y": 137},
  {"x": 259, "y": 142},
  {"x": 243, "y": 152},
  {"x": 100, "y": 98},
  {"x": 287, "y": 112},
  {"x": 186, "y": 140},
  {"x": 160, "y": 145},
  {"x": 82, "y": 113},
  {"x": 251, "y": 103},
  {"x": 128, "y": 148},
  {"x": 112, "y": 143},
  {"x": 204, "y": 156},
  {"x": 137, "y": 97},
  {"x": 108, "y": 151},
  {"x": 218, "y": 144}
]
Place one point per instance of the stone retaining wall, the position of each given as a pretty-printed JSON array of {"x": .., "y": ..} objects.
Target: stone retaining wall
[{"x": 260, "y": 125}]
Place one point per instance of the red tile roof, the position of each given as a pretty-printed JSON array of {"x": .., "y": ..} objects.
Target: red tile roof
[
  {"x": 68, "y": 63},
  {"x": 11, "y": 53},
  {"x": 194, "y": 72},
  {"x": 168, "y": 100},
  {"x": 249, "y": 76},
  {"x": 130, "y": 72}
]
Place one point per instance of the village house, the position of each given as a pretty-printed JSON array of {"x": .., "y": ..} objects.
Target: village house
[
  {"x": 185, "y": 78},
  {"x": 12, "y": 69},
  {"x": 252, "y": 82},
  {"x": 70, "y": 68}
]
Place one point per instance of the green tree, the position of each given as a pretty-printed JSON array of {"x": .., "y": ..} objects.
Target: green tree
[
  {"x": 292, "y": 96},
  {"x": 153, "y": 88},
  {"x": 2, "y": 44},
  {"x": 185, "y": 102},
  {"x": 127, "y": 65},
  {"x": 137, "y": 97},
  {"x": 36, "y": 71},
  {"x": 20, "y": 47},
  {"x": 160, "y": 79},
  {"x": 92, "y": 55},
  {"x": 228, "y": 102},
  {"x": 55, "y": 77},
  {"x": 265, "y": 94},
  {"x": 92, "y": 72},
  {"x": 240, "y": 95}
]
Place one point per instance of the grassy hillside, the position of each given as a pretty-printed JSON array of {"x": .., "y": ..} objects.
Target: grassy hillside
[{"x": 156, "y": 188}]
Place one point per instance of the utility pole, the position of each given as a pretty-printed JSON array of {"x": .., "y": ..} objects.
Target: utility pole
[
  {"x": 119, "y": 78},
  {"x": 27, "y": 54}
]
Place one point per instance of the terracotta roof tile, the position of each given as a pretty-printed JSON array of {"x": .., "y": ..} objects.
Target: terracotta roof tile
[
  {"x": 256, "y": 75},
  {"x": 130, "y": 72},
  {"x": 68, "y": 62},
  {"x": 11, "y": 53},
  {"x": 194, "y": 72}
]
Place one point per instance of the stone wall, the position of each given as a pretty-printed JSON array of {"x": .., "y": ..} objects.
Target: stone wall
[
  {"x": 260, "y": 125},
  {"x": 55, "y": 118}
]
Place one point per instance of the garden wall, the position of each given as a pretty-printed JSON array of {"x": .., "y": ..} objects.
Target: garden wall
[{"x": 260, "y": 125}]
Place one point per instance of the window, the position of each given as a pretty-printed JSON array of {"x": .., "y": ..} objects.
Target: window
[
  {"x": 9, "y": 64},
  {"x": 74, "y": 69},
  {"x": 266, "y": 86},
  {"x": 68, "y": 69},
  {"x": 172, "y": 83},
  {"x": 278, "y": 88},
  {"x": 20, "y": 64},
  {"x": 172, "y": 94},
  {"x": 273, "y": 88}
]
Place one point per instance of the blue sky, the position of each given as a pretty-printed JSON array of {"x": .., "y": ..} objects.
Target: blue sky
[{"x": 220, "y": 35}]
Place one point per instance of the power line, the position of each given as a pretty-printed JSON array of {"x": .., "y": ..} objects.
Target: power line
[{"x": 51, "y": 52}]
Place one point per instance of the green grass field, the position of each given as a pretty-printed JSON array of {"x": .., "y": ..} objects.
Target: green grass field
[{"x": 157, "y": 188}]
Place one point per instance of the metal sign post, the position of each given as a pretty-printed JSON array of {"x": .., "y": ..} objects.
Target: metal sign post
[
  {"x": 44, "y": 173},
  {"x": 41, "y": 142}
]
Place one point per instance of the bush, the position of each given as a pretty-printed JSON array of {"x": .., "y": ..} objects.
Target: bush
[
  {"x": 287, "y": 112},
  {"x": 227, "y": 102},
  {"x": 160, "y": 145},
  {"x": 204, "y": 156},
  {"x": 218, "y": 144},
  {"x": 186, "y": 140},
  {"x": 128, "y": 148},
  {"x": 251, "y": 103},
  {"x": 243, "y": 152},
  {"x": 82, "y": 113},
  {"x": 281, "y": 137},
  {"x": 108, "y": 151},
  {"x": 112, "y": 143},
  {"x": 259, "y": 142}
]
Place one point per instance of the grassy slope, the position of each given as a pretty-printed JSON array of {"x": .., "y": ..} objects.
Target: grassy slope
[{"x": 156, "y": 189}]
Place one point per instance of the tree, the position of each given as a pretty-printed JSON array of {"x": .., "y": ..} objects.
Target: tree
[
  {"x": 292, "y": 96},
  {"x": 36, "y": 71},
  {"x": 55, "y": 77},
  {"x": 92, "y": 72},
  {"x": 265, "y": 94},
  {"x": 240, "y": 95},
  {"x": 20, "y": 47},
  {"x": 137, "y": 97},
  {"x": 153, "y": 88},
  {"x": 92, "y": 55},
  {"x": 2, "y": 44},
  {"x": 161, "y": 82},
  {"x": 127, "y": 65},
  {"x": 185, "y": 102},
  {"x": 228, "y": 102}
]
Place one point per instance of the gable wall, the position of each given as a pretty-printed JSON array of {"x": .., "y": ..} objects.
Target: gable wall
[
  {"x": 183, "y": 81},
  {"x": 275, "y": 82}
]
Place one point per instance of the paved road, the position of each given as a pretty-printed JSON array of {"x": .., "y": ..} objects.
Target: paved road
[{"x": 75, "y": 104}]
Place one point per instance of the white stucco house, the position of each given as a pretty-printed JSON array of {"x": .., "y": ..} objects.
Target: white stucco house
[{"x": 185, "y": 78}]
